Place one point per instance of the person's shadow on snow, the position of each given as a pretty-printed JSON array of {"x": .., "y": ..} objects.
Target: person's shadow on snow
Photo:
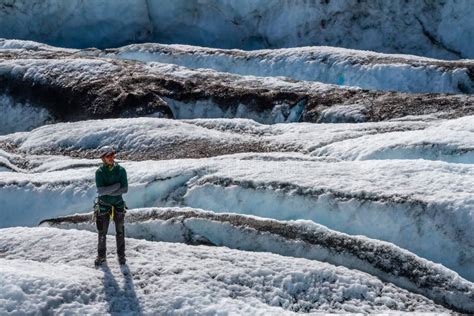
[{"x": 121, "y": 300}]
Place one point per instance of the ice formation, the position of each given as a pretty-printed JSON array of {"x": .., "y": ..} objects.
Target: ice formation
[
  {"x": 173, "y": 278},
  {"x": 427, "y": 199},
  {"x": 73, "y": 85},
  {"x": 293, "y": 178},
  {"x": 295, "y": 239},
  {"x": 368, "y": 70},
  {"x": 416, "y": 27}
]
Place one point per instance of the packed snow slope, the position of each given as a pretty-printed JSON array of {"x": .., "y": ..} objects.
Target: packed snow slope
[
  {"x": 296, "y": 239},
  {"x": 330, "y": 175},
  {"x": 172, "y": 278},
  {"x": 413, "y": 27},
  {"x": 52, "y": 84}
]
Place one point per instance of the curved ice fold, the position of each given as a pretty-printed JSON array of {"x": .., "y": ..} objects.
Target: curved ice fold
[
  {"x": 8, "y": 162},
  {"x": 155, "y": 138},
  {"x": 430, "y": 202},
  {"x": 71, "y": 89},
  {"x": 296, "y": 239},
  {"x": 167, "y": 278},
  {"x": 137, "y": 139},
  {"x": 77, "y": 86},
  {"x": 331, "y": 65},
  {"x": 451, "y": 141},
  {"x": 17, "y": 44},
  {"x": 394, "y": 200}
]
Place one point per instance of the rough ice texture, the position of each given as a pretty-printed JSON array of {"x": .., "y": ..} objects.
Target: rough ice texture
[
  {"x": 75, "y": 89},
  {"x": 170, "y": 278},
  {"x": 75, "y": 86},
  {"x": 155, "y": 138},
  {"x": 20, "y": 116},
  {"x": 401, "y": 201},
  {"x": 136, "y": 139},
  {"x": 295, "y": 239},
  {"x": 331, "y": 65},
  {"x": 414, "y": 27},
  {"x": 451, "y": 141},
  {"x": 76, "y": 23}
]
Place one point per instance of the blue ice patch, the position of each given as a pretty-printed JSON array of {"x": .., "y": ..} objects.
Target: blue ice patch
[{"x": 340, "y": 80}]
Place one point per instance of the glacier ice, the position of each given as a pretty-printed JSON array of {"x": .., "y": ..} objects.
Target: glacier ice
[
  {"x": 240, "y": 149},
  {"x": 74, "y": 86},
  {"x": 168, "y": 278},
  {"x": 364, "y": 69},
  {"x": 415, "y": 27},
  {"x": 295, "y": 239}
]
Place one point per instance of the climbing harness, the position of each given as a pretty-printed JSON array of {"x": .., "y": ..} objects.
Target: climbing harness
[{"x": 98, "y": 203}]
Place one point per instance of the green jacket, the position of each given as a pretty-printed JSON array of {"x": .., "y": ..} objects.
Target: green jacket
[{"x": 111, "y": 184}]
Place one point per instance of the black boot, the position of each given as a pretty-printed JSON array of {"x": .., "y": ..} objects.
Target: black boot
[
  {"x": 122, "y": 260},
  {"x": 99, "y": 261}
]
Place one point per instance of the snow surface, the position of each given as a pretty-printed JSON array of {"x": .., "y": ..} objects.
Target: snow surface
[
  {"x": 173, "y": 278},
  {"x": 68, "y": 73},
  {"x": 303, "y": 239},
  {"x": 17, "y": 44},
  {"x": 331, "y": 65},
  {"x": 446, "y": 140},
  {"x": 40, "y": 70},
  {"x": 136, "y": 134},
  {"x": 451, "y": 141},
  {"x": 412, "y": 203},
  {"x": 416, "y": 27}
]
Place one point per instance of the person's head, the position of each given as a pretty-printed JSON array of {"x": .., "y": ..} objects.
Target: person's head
[{"x": 107, "y": 154}]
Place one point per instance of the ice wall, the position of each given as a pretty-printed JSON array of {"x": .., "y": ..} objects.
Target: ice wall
[
  {"x": 76, "y": 23},
  {"x": 415, "y": 27},
  {"x": 21, "y": 116}
]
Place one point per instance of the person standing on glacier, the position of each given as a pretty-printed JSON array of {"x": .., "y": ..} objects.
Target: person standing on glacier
[{"x": 111, "y": 181}]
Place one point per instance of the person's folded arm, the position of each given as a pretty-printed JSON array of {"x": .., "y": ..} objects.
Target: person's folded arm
[
  {"x": 123, "y": 184},
  {"x": 119, "y": 191},
  {"x": 108, "y": 190}
]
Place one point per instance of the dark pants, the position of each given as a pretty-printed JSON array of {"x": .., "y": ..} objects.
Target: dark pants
[{"x": 102, "y": 222}]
